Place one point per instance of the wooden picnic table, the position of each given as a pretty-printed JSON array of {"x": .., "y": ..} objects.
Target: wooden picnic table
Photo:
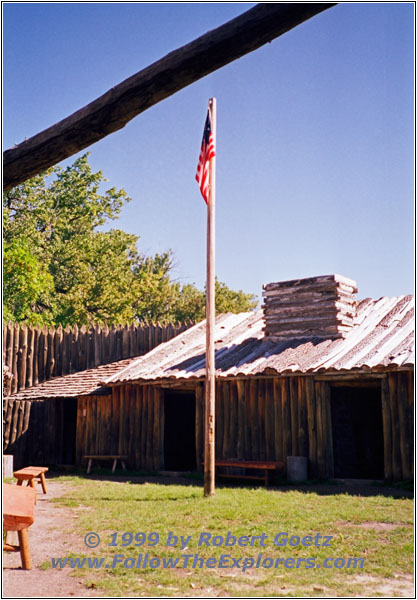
[
  {"x": 18, "y": 515},
  {"x": 29, "y": 474}
]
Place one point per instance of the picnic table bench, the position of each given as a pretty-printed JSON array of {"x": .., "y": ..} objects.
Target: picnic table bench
[
  {"x": 30, "y": 474},
  {"x": 268, "y": 466},
  {"x": 18, "y": 515},
  {"x": 100, "y": 457}
]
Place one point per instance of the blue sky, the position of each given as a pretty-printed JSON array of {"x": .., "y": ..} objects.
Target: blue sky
[{"x": 315, "y": 135}]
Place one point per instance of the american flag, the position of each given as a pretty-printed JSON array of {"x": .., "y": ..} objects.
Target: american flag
[{"x": 206, "y": 153}]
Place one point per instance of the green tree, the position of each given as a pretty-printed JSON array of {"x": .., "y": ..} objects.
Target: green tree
[
  {"x": 60, "y": 268},
  {"x": 54, "y": 218},
  {"x": 27, "y": 285},
  {"x": 228, "y": 300},
  {"x": 191, "y": 302}
]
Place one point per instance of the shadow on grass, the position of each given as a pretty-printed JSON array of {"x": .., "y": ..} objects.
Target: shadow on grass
[{"x": 353, "y": 487}]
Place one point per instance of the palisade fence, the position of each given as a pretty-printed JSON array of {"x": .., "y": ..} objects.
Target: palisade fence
[{"x": 35, "y": 354}]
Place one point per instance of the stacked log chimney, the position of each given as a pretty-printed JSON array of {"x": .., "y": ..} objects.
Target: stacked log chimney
[{"x": 321, "y": 307}]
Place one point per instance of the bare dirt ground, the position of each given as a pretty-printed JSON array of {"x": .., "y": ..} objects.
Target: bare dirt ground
[{"x": 51, "y": 537}]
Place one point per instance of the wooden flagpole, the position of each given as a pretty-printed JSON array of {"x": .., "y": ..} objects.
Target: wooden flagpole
[{"x": 209, "y": 445}]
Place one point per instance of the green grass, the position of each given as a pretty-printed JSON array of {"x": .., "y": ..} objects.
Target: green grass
[{"x": 386, "y": 547}]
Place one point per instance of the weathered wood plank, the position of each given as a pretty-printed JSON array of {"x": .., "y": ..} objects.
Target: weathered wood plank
[
  {"x": 36, "y": 354},
  {"x": 15, "y": 358},
  {"x": 114, "y": 420},
  {"x": 262, "y": 442},
  {"x": 253, "y": 441},
  {"x": 269, "y": 422},
  {"x": 294, "y": 415},
  {"x": 59, "y": 344},
  {"x": 64, "y": 352},
  {"x": 20, "y": 421},
  {"x": 311, "y": 425},
  {"x": 40, "y": 357},
  {"x": 321, "y": 432},
  {"x": 286, "y": 420},
  {"x": 226, "y": 420},
  {"x": 92, "y": 431},
  {"x": 79, "y": 433},
  {"x": 15, "y": 418},
  {"x": 4, "y": 343},
  {"x": 149, "y": 440},
  {"x": 405, "y": 442},
  {"x": 219, "y": 420},
  {"x": 395, "y": 428},
  {"x": 161, "y": 430},
  {"x": 9, "y": 355},
  {"x": 143, "y": 426},
  {"x": 387, "y": 429},
  {"x": 30, "y": 357},
  {"x": 50, "y": 367},
  {"x": 7, "y": 422},
  {"x": 128, "y": 426},
  {"x": 234, "y": 420},
  {"x": 75, "y": 351},
  {"x": 121, "y": 437},
  {"x": 138, "y": 423},
  {"x": 302, "y": 418},
  {"x": 241, "y": 441},
  {"x": 23, "y": 350},
  {"x": 278, "y": 422},
  {"x": 156, "y": 427}
]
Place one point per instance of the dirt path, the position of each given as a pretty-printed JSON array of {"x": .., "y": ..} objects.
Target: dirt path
[{"x": 49, "y": 536}]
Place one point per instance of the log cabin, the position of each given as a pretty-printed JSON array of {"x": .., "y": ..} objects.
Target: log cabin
[{"x": 314, "y": 373}]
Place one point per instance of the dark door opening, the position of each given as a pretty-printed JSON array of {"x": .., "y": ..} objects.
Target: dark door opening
[
  {"x": 358, "y": 444},
  {"x": 69, "y": 429},
  {"x": 179, "y": 431}
]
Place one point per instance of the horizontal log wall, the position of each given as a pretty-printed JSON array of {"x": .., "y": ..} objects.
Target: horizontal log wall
[
  {"x": 35, "y": 354},
  {"x": 129, "y": 422},
  {"x": 37, "y": 433}
]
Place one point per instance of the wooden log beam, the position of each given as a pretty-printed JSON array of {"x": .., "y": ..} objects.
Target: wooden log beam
[
  {"x": 312, "y": 426},
  {"x": 387, "y": 429},
  {"x": 278, "y": 422},
  {"x": 397, "y": 474},
  {"x": 111, "y": 111},
  {"x": 286, "y": 420}
]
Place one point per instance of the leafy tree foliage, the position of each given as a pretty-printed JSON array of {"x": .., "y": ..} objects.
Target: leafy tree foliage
[
  {"x": 27, "y": 285},
  {"x": 60, "y": 268}
]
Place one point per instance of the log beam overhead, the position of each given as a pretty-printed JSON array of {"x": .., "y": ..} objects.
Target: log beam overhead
[{"x": 111, "y": 111}]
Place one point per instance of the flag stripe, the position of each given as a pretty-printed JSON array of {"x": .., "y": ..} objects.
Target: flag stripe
[{"x": 207, "y": 152}]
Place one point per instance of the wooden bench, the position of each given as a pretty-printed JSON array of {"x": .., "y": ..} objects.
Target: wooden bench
[
  {"x": 18, "y": 515},
  {"x": 30, "y": 474},
  {"x": 101, "y": 457},
  {"x": 261, "y": 465}
]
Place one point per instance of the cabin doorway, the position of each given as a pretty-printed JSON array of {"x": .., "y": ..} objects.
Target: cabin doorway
[
  {"x": 358, "y": 443},
  {"x": 179, "y": 431},
  {"x": 69, "y": 431}
]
